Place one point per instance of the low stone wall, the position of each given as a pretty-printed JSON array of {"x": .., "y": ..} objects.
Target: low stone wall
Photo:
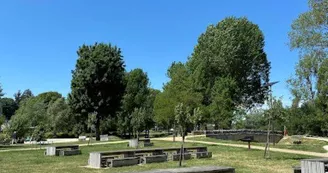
[{"x": 235, "y": 135}]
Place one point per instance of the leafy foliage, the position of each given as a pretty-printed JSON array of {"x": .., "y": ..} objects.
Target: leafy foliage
[
  {"x": 19, "y": 97},
  {"x": 309, "y": 36},
  {"x": 182, "y": 118},
  {"x": 138, "y": 120},
  {"x": 177, "y": 90},
  {"x": 32, "y": 114},
  {"x": 234, "y": 48},
  {"x": 135, "y": 96},
  {"x": 97, "y": 84},
  {"x": 8, "y": 107}
]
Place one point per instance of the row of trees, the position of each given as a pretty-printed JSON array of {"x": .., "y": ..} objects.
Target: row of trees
[
  {"x": 102, "y": 90},
  {"x": 223, "y": 83}
]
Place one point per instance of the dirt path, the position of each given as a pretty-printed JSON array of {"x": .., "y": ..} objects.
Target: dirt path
[
  {"x": 308, "y": 153},
  {"x": 81, "y": 145}
]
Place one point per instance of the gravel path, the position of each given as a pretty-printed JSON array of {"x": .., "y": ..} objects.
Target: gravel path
[{"x": 308, "y": 153}]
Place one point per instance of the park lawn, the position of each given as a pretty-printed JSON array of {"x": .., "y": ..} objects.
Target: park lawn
[
  {"x": 20, "y": 146},
  {"x": 307, "y": 144},
  {"x": 245, "y": 161}
]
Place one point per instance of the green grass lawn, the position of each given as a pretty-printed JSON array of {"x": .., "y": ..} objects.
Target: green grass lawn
[
  {"x": 18, "y": 146},
  {"x": 307, "y": 144},
  {"x": 243, "y": 160}
]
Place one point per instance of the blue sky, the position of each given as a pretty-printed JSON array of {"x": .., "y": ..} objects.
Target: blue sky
[{"x": 39, "y": 38}]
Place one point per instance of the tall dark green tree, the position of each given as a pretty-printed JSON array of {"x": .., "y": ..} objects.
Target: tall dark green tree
[
  {"x": 233, "y": 48},
  {"x": 9, "y": 107},
  {"x": 97, "y": 84},
  {"x": 135, "y": 96}
]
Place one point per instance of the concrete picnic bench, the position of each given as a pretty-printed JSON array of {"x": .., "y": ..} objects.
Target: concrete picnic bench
[
  {"x": 137, "y": 156},
  {"x": 319, "y": 165},
  {"x": 65, "y": 150},
  {"x": 146, "y": 142},
  {"x": 202, "y": 169}
]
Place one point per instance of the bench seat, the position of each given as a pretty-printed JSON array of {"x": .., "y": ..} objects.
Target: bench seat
[
  {"x": 297, "y": 169},
  {"x": 124, "y": 162},
  {"x": 154, "y": 159},
  {"x": 69, "y": 152},
  {"x": 176, "y": 157},
  {"x": 200, "y": 155}
]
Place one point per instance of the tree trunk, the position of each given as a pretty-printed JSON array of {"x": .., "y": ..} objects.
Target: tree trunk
[
  {"x": 98, "y": 129},
  {"x": 137, "y": 138},
  {"x": 173, "y": 133},
  {"x": 216, "y": 126},
  {"x": 181, "y": 151},
  {"x": 273, "y": 137},
  {"x": 266, "y": 151}
]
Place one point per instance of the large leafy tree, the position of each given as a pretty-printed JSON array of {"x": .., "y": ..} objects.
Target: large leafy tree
[
  {"x": 19, "y": 96},
  {"x": 8, "y": 107},
  {"x": 32, "y": 117},
  {"x": 233, "y": 48},
  {"x": 308, "y": 35},
  {"x": 60, "y": 116},
  {"x": 135, "y": 96},
  {"x": 222, "y": 107},
  {"x": 97, "y": 84},
  {"x": 177, "y": 90}
]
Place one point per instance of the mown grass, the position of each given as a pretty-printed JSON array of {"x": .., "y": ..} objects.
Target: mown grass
[
  {"x": 18, "y": 146},
  {"x": 245, "y": 161},
  {"x": 306, "y": 145}
]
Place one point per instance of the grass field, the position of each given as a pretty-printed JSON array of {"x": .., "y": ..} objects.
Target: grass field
[
  {"x": 243, "y": 160},
  {"x": 307, "y": 144},
  {"x": 18, "y": 146}
]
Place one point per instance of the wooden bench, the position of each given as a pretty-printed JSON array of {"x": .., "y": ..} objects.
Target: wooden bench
[{"x": 66, "y": 150}]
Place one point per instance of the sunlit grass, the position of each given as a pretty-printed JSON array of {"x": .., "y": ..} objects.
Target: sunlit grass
[
  {"x": 306, "y": 145},
  {"x": 243, "y": 160}
]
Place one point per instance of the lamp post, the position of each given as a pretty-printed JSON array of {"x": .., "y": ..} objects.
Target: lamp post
[{"x": 266, "y": 151}]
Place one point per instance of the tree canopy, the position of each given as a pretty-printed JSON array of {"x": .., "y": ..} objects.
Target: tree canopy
[
  {"x": 233, "y": 48},
  {"x": 97, "y": 82},
  {"x": 32, "y": 116},
  {"x": 9, "y": 107}
]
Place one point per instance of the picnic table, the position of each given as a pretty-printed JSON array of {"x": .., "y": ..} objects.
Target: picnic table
[
  {"x": 148, "y": 155},
  {"x": 248, "y": 139},
  {"x": 65, "y": 150}
]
